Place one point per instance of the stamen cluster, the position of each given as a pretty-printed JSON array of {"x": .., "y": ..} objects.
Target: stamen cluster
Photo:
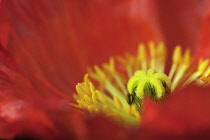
[{"x": 120, "y": 90}]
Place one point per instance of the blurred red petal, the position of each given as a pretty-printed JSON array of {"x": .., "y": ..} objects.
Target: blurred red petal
[
  {"x": 60, "y": 39},
  {"x": 4, "y": 34},
  {"x": 39, "y": 118},
  {"x": 181, "y": 21},
  {"x": 203, "y": 49},
  {"x": 185, "y": 112},
  {"x": 103, "y": 129},
  {"x": 115, "y": 27},
  {"x": 5, "y": 27},
  {"x": 19, "y": 117},
  {"x": 44, "y": 43},
  {"x": 25, "y": 111}
]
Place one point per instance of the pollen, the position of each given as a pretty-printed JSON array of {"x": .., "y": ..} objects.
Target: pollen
[{"x": 117, "y": 89}]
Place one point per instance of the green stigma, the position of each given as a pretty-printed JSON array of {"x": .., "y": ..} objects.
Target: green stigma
[{"x": 152, "y": 84}]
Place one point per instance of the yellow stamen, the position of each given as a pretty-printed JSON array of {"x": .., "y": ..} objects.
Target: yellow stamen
[
  {"x": 118, "y": 103},
  {"x": 184, "y": 64},
  {"x": 152, "y": 54},
  {"x": 160, "y": 58},
  {"x": 176, "y": 59},
  {"x": 206, "y": 80},
  {"x": 101, "y": 97},
  {"x": 142, "y": 56},
  {"x": 200, "y": 70}
]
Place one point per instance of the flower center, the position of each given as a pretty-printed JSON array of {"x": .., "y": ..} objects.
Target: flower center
[
  {"x": 118, "y": 88},
  {"x": 150, "y": 83}
]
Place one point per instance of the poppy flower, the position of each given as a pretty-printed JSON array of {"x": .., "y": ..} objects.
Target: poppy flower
[{"x": 48, "y": 45}]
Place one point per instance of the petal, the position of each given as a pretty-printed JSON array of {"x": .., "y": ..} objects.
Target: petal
[
  {"x": 181, "y": 21},
  {"x": 58, "y": 40},
  {"x": 4, "y": 34},
  {"x": 5, "y": 27},
  {"x": 184, "y": 113},
  {"x": 117, "y": 27},
  {"x": 44, "y": 43},
  {"x": 204, "y": 43},
  {"x": 103, "y": 129},
  {"x": 21, "y": 118},
  {"x": 26, "y": 112}
]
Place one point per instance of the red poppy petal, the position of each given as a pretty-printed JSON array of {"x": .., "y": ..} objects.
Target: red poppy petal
[
  {"x": 184, "y": 112},
  {"x": 104, "y": 129},
  {"x": 112, "y": 28},
  {"x": 24, "y": 111},
  {"x": 4, "y": 34},
  {"x": 20, "y": 118},
  {"x": 181, "y": 21},
  {"x": 27, "y": 111},
  {"x": 57, "y": 40},
  {"x": 45, "y": 43},
  {"x": 203, "y": 49},
  {"x": 5, "y": 27}
]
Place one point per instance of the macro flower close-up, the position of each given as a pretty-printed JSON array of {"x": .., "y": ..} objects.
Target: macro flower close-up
[{"x": 104, "y": 69}]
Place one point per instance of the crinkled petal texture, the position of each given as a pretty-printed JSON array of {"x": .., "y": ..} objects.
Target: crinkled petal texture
[
  {"x": 61, "y": 38},
  {"x": 25, "y": 112}
]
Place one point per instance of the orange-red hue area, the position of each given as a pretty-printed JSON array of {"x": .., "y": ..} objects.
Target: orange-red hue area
[
  {"x": 46, "y": 46},
  {"x": 204, "y": 49}
]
